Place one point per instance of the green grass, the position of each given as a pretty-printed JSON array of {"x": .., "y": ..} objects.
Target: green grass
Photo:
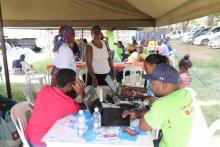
[
  {"x": 17, "y": 88},
  {"x": 40, "y": 66},
  {"x": 205, "y": 74},
  {"x": 17, "y": 91}
]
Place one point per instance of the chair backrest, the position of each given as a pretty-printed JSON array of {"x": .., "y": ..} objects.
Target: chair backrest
[
  {"x": 18, "y": 115},
  {"x": 215, "y": 126},
  {"x": 30, "y": 90},
  {"x": 26, "y": 67},
  {"x": 28, "y": 70},
  {"x": 132, "y": 76}
]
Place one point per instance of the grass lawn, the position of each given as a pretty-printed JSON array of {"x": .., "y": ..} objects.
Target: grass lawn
[
  {"x": 17, "y": 88},
  {"x": 40, "y": 66},
  {"x": 17, "y": 91},
  {"x": 205, "y": 73}
]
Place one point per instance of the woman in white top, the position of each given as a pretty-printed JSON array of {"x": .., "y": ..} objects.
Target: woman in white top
[
  {"x": 98, "y": 60},
  {"x": 63, "y": 55}
]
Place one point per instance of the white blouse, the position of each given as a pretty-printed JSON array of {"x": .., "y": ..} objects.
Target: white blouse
[{"x": 64, "y": 58}]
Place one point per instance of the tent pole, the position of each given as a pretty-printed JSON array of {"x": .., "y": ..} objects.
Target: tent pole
[
  {"x": 82, "y": 51},
  {"x": 2, "y": 46}
]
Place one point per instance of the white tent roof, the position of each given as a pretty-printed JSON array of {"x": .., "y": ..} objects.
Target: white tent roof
[{"x": 107, "y": 13}]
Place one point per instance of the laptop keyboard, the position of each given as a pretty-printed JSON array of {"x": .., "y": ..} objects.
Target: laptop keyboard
[{"x": 113, "y": 116}]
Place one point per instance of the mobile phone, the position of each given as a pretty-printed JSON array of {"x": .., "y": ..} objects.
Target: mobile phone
[{"x": 131, "y": 131}]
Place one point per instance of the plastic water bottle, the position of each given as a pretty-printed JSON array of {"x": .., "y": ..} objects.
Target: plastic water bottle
[
  {"x": 81, "y": 123},
  {"x": 96, "y": 120}
]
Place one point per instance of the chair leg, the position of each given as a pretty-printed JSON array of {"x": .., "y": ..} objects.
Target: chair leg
[
  {"x": 1, "y": 77},
  {"x": 41, "y": 82}
]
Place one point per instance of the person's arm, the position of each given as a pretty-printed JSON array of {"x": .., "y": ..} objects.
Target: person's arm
[
  {"x": 89, "y": 57},
  {"x": 143, "y": 125},
  {"x": 110, "y": 59},
  {"x": 106, "y": 40},
  {"x": 139, "y": 56},
  {"x": 79, "y": 87},
  {"x": 134, "y": 114},
  {"x": 139, "y": 89}
]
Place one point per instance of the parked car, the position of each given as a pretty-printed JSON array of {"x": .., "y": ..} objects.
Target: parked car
[
  {"x": 202, "y": 32},
  {"x": 215, "y": 42},
  {"x": 204, "y": 39},
  {"x": 174, "y": 34},
  {"x": 189, "y": 37}
]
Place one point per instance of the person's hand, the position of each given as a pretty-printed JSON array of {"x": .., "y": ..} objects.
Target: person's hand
[
  {"x": 79, "y": 87},
  {"x": 127, "y": 92},
  {"x": 113, "y": 74},
  {"x": 126, "y": 88},
  {"x": 133, "y": 114},
  {"x": 94, "y": 82}
]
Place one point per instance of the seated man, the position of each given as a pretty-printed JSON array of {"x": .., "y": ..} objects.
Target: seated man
[
  {"x": 137, "y": 56},
  {"x": 52, "y": 104},
  {"x": 173, "y": 112},
  {"x": 16, "y": 64}
]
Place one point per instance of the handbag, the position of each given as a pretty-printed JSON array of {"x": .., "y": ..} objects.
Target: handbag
[{"x": 9, "y": 136}]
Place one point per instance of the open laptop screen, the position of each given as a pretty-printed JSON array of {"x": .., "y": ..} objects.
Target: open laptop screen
[
  {"x": 91, "y": 100},
  {"x": 111, "y": 84}
]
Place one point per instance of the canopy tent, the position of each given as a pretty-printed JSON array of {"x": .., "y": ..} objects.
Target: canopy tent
[{"x": 107, "y": 13}]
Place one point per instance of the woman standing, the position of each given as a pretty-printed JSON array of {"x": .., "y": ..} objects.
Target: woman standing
[
  {"x": 63, "y": 55},
  {"x": 98, "y": 59}
]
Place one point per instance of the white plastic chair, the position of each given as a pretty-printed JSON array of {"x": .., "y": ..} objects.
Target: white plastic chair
[
  {"x": 215, "y": 126},
  {"x": 30, "y": 90},
  {"x": 18, "y": 115},
  {"x": 172, "y": 57},
  {"x": 134, "y": 76},
  {"x": 30, "y": 74}
]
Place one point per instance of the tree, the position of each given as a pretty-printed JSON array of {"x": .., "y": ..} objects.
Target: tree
[
  {"x": 184, "y": 25},
  {"x": 209, "y": 21}
]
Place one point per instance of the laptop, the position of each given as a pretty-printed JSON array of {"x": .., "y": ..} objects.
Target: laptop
[
  {"x": 117, "y": 91},
  {"x": 109, "y": 116}
]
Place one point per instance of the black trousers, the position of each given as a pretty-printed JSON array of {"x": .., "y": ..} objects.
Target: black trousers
[{"x": 100, "y": 78}]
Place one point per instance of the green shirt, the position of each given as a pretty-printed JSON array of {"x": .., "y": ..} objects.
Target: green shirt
[
  {"x": 110, "y": 36},
  {"x": 119, "y": 51},
  {"x": 174, "y": 115}
]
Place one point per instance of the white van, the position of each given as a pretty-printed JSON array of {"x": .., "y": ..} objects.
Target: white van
[{"x": 174, "y": 34}]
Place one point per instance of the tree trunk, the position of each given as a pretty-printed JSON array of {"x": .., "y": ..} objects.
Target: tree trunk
[
  {"x": 169, "y": 29},
  {"x": 209, "y": 21},
  {"x": 184, "y": 25}
]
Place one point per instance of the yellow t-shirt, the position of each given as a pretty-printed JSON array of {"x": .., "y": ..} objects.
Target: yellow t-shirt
[{"x": 133, "y": 57}]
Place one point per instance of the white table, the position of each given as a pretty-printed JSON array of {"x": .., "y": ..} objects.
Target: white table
[{"x": 61, "y": 135}]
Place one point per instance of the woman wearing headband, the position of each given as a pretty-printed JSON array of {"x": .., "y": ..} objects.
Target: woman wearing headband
[{"x": 63, "y": 55}]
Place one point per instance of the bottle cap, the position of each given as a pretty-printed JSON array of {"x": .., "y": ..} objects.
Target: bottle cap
[
  {"x": 96, "y": 109},
  {"x": 80, "y": 112}
]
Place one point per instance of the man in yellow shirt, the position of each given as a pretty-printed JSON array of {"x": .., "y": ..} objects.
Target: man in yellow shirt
[{"x": 137, "y": 56}]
